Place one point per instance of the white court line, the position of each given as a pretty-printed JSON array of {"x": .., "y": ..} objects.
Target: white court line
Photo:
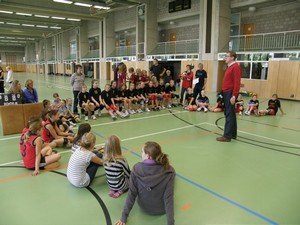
[
  {"x": 140, "y": 118},
  {"x": 19, "y": 161},
  {"x": 256, "y": 135},
  {"x": 113, "y": 122},
  {"x": 126, "y": 139}
]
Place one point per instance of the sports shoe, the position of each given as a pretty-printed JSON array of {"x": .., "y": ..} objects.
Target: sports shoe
[
  {"x": 132, "y": 111},
  {"x": 77, "y": 119},
  {"x": 114, "y": 117},
  {"x": 169, "y": 106},
  {"x": 147, "y": 110},
  {"x": 247, "y": 113},
  {"x": 205, "y": 110},
  {"x": 73, "y": 124},
  {"x": 139, "y": 111},
  {"x": 163, "y": 107},
  {"x": 93, "y": 117},
  {"x": 241, "y": 113},
  {"x": 199, "y": 109},
  {"x": 99, "y": 113},
  {"x": 86, "y": 118}
]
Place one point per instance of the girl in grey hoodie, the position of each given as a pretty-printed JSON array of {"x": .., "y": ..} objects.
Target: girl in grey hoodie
[{"x": 152, "y": 183}]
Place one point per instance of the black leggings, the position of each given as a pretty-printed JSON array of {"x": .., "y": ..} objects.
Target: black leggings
[
  {"x": 75, "y": 94},
  {"x": 93, "y": 167}
]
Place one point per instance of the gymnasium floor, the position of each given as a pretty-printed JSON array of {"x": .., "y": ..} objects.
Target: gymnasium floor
[{"x": 252, "y": 180}]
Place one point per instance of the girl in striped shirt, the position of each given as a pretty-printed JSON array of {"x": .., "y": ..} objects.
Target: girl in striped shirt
[
  {"x": 116, "y": 167},
  {"x": 83, "y": 164}
]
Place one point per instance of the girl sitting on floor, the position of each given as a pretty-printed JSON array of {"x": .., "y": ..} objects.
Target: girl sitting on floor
[
  {"x": 116, "y": 167},
  {"x": 152, "y": 183},
  {"x": 35, "y": 156},
  {"x": 83, "y": 164}
]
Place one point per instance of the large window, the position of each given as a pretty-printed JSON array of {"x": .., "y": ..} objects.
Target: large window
[{"x": 73, "y": 50}]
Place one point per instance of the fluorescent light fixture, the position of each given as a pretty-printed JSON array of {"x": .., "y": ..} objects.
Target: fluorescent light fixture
[
  {"x": 7, "y": 12},
  {"x": 71, "y": 19},
  {"x": 21, "y": 38},
  {"x": 23, "y": 14},
  {"x": 41, "y": 16},
  {"x": 63, "y": 1},
  {"x": 2, "y": 37},
  {"x": 55, "y": 27},
  {"x": 57, "y": 18},
  {"x": 27, "y": 25},
  {"x": 101, "y": 7},
  {"x": 41, "y": 26},
  {"x": 15, "y": 24},
  {"x": 10, "y": 38},
  {"x": 1, "y": 22},
  {"x": 82, "y": 4}
]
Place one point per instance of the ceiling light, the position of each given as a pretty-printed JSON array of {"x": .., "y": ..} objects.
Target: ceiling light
[
  {"x": 24, "y": 14},
  {"x": 10, "y": 38},
  {"x": 82, "y": 4},
  {"x": 41, "y": 26},
  {"x": 1, "y": 22},
  {"x": 101, "y": 7},
  {"x": 63, "y": 1},
  {"x": 58, "y": 18},
  {"x": 7, "y": 12},
  {"x": 15, "y": 24},
  {"x": 71, "y": 19},
  {"x": 55, "y": 27},
  {"x": 21, "y": 38},
  {"x": 41, "y": 16},
  {"x": 27, "y": 25}
]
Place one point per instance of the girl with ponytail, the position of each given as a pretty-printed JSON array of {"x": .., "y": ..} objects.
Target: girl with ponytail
[
  {"x": 152, "y": 183},
  {"x": 35, "y": 154}
]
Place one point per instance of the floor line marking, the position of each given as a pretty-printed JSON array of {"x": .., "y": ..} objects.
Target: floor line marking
[
  {"x": 217, "y": 195},
  {"x": 135, "y": 119},
  {"x": 110, "y": 123},
  {"x": 256, "y": 135}
]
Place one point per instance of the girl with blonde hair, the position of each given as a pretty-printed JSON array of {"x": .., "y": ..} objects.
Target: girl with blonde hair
[
  {"x": 83, "y": 164},
  {"x": 116, "y": 167}
]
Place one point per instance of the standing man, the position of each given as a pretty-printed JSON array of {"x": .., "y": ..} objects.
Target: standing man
[
  {"x": 157, "y": 69},
  {"x": 230, "y": 89},
  {"x": 201, "y": 75},
  {"x": 77, "y": 80}
]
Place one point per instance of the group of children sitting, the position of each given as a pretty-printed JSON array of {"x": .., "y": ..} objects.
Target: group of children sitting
[
  {"x": 151, "y": 181},
  {"x": 122, "y": 101},
  {"x": 202, "y": 103}
]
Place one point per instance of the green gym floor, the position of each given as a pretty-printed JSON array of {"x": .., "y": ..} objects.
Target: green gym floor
[{"x": 252, "y": 180}]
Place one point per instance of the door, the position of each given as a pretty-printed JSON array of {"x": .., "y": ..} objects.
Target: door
[{"x": 248, "y": 30}]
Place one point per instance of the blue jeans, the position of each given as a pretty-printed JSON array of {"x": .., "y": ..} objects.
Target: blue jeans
[{"x": 230, "y": 129}]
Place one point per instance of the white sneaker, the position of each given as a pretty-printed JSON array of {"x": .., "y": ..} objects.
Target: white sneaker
[
  {"x": 205, "y": 110},
  {"x": 169, "y": 106},
  {"x": 86, "y": 118},
  {"x": 199, "y": 109},
  {"x": 72, "y": 124},
  {"x": 147, "y": 110},
  {"x": 241, "y": 113},
  {"x": 139, "y": 111},
  {"x": 247, "y": 113},
  {"x": 99, "y": 113},
  {"x": 163, "y": 107},
  {"x": 132, "y": 111},
  {"x": 93, "y": 117},
  {"x": 114, "y": 117}
]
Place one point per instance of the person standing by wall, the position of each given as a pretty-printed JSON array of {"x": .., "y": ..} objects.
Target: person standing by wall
[
  {"x": 9, "y": 78},
  {"x": 201, "y": 75},
  {"x": 157, "y": 70},
  {"x": 1, "y": 80},
  {"x": 230, "y": 90},
  {"x": 77, "y": 80},
  {"x": 187, "y": 78}
]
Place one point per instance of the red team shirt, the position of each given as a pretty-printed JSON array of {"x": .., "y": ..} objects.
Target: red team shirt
[{"x": 27, "y": 150}]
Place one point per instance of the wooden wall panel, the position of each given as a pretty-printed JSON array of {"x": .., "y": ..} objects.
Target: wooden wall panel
[
  {"x": 60, "y": 68},
  {"x": 298, "y": 85},
  {"x": 12, "y": 123}
]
